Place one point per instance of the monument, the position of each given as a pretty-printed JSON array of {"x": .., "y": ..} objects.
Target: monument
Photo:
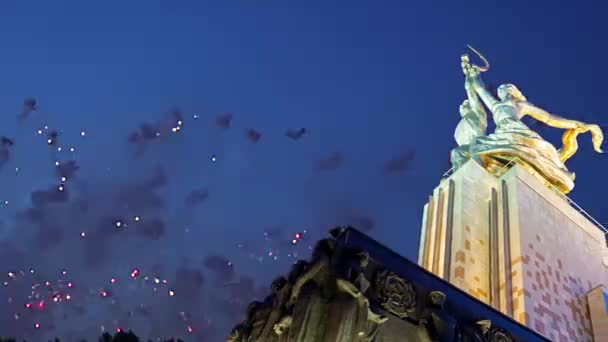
[
  {"x": 504, "y": 254},
  {"x": 501, "y": 227}
]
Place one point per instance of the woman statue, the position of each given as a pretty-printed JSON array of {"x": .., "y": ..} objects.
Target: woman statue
[{"x": 514, "y": 141}]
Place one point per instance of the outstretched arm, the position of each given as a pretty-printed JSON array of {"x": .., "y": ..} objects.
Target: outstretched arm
[
  {"x": 539, "y": 114},
  {"x": 573, "y": 127}
]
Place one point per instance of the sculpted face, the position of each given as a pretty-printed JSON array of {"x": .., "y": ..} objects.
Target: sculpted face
[
  {"x": 437, "y": 298},
  {"x": 503, "y": 92},
  {"x": 510, "y": 92}
]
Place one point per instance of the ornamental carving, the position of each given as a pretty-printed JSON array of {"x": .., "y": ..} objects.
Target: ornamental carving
[
  {"x": 499, "y": 335},
  {"x": 396, "y": 295}
]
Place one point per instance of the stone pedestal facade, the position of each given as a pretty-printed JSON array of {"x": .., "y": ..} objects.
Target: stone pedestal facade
[{"x": 518, "y": 246}]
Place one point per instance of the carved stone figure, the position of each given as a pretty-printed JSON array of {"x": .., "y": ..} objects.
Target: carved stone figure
[
  {"x": 309, "y": 316},
  {"x": 374, "y": 320},
  {"x": 350, "y": 318},
  {"x": 475, "y": 332},
  {"x": 283, "y": 325},
  {"x": 439, "y": 324},
  {"x": 280, "y": 294},
  {"x": 259, "y": 314},
  {"x": 272, "y": 319},
  {"x": 321, "y": 257}
]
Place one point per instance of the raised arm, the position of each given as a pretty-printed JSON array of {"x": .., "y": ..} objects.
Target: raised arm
[
  {"x": 474, "y": 102},
  {"x": 539, "y": 114},
  {"x": 488, "y": 99}
]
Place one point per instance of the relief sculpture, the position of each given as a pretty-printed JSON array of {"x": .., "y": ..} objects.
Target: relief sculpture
[{"x": 331, "y": 299}]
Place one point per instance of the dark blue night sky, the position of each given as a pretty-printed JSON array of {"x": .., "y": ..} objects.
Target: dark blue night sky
[{"x": 369, "y": 80}]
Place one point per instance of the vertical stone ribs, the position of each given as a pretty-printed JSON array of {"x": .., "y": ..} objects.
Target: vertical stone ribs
[
  {"x": 438, "y": 234},
  {"x": 506, "y": 229},
  {"x": 449, "y": 227},
  {"x": 426, "y": 253},
  {"x": 494, "y": 251}
]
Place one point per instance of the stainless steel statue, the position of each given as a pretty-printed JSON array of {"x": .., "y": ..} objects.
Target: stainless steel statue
[{"x": 512, "y": 140}]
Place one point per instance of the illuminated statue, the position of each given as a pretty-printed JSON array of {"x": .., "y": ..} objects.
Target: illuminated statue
[{"x": 513, "y": 141}]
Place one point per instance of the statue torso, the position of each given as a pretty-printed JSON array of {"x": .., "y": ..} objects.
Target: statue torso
[{"x": 506, "y": 110}]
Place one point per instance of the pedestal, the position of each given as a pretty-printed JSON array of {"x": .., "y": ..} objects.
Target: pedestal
[{"x": 518, "y": 246}]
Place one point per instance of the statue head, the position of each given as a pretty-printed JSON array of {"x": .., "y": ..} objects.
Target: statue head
[
  {"x": 484, "y": 325},
  {"x": 510, "y": 92},
  {"x": 437, "y": 298}
]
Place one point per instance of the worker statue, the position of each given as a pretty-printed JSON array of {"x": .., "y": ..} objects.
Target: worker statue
[{"x": 512, "y": 141}]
